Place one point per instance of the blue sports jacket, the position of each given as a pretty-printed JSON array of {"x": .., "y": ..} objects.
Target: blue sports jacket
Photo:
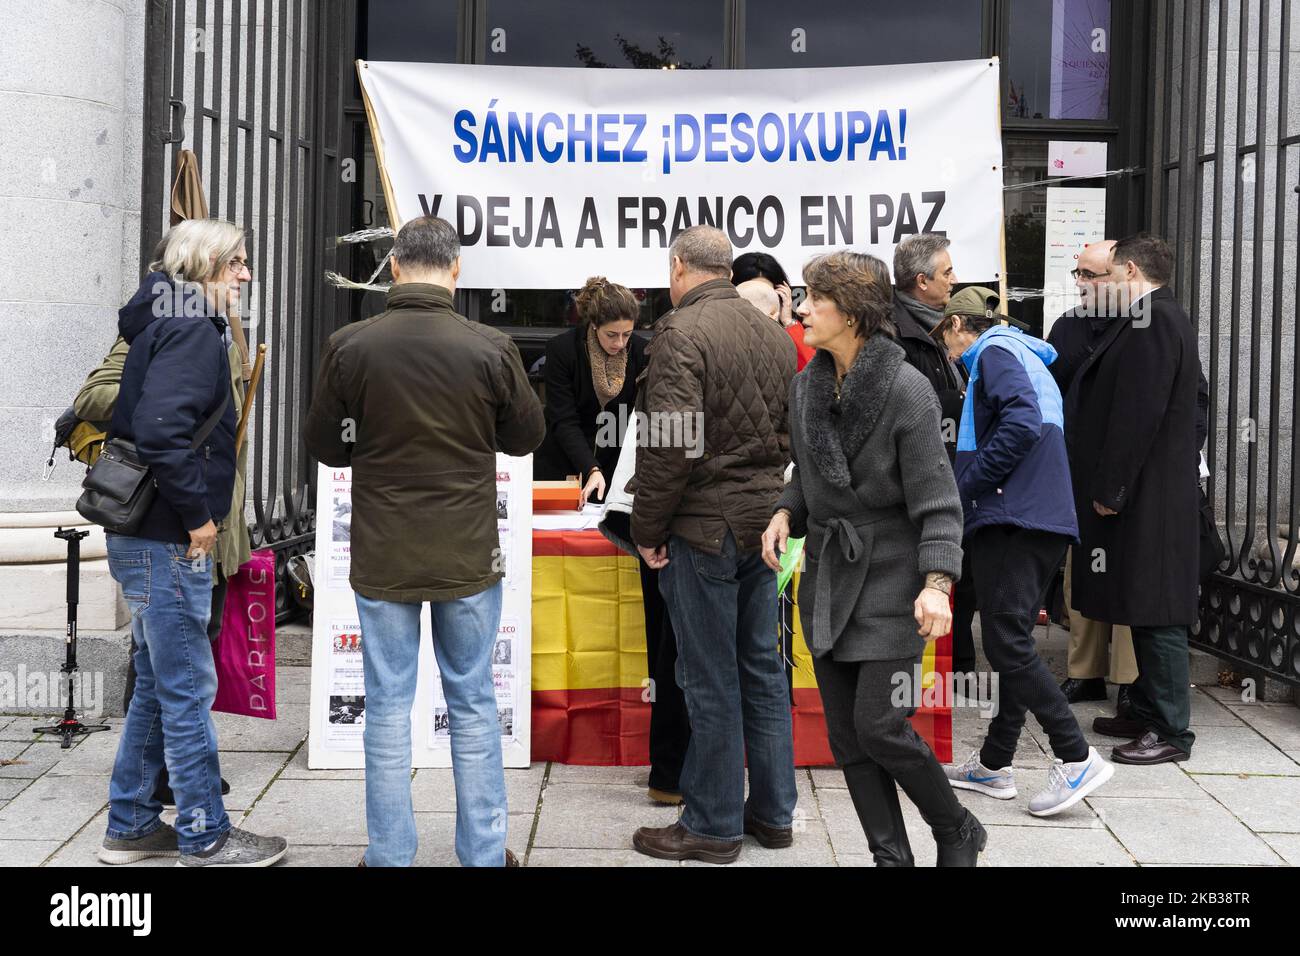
[{"x": 1012, "y": 466}]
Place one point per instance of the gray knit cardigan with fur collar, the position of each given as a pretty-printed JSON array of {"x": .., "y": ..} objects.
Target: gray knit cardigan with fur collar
[{"x": 874, "y": 492}]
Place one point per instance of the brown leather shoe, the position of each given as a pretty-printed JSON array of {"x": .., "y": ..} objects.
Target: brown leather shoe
[
  {"x": 1148, "y": 749},
  {"x": 678, "y": 843},
  {"x": 772, "y": 838},
  {"x": 1119, "y": 727},
  {"x": 512, "y": 860}
]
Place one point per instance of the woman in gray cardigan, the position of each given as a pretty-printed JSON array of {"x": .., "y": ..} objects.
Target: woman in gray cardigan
[{"x": 874, "y": 493}]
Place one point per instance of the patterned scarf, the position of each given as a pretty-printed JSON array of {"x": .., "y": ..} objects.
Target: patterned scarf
[{"x": 607, "y": 371}]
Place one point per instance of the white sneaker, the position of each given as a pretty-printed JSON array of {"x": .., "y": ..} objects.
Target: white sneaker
[
  {"x": 973, "y": 775},
  {"x": 1068, "y": 783}
]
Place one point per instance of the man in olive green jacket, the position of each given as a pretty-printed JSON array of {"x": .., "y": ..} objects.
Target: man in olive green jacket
[{"x": 418, "y": 401}]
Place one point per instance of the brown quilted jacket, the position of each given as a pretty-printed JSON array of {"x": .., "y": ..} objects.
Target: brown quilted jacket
[{"x": 714, "y": 396}]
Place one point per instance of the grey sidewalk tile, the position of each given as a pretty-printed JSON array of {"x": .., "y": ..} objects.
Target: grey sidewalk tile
[
  {"x": 434, "y": 790},
  {"x": 1209, "y": 711},
  {"x": 94, "y": 757},
  {"x": 344, "y": 855},
  {"x": 1162, "y": 781},
  {"x": 596, "y": 816},
  {"x": 26, "y": 852},
  {"x": 1279, "y": 723},
  {"x": 828, "y": 778},
  {"x": 1058, "y": 846},
  {"x": 235, "y": 732},
  {"x": 20, "y": 728},
  {"x": 1265, "y": 804},
  {"x": 312, "y": 812},
  {"x": 970, "y": 737},
  {"x": 1192, "y": 832},
  {"x": 292, "y": 686},
  {"x": 626, "y": 776},
  {"x": 31, "y": 763},
  {"x": 1285, "y": 844},
  {"x": 297, "y": 770},
  {"x": 550, "y": 856},
  {"x": 1237, "y": 750},
  {"x": 10, "y": 788},
  {"x": 248, "y": 773},
  {"x": 53, "y": 808}
]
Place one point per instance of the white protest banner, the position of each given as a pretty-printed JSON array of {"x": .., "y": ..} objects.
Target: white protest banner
[{"x": 555, "y": 175}]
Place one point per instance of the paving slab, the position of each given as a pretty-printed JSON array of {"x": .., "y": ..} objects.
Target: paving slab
[
  {"x": 248, "y": 773},
  {"x": 434, "y": 789},
  {"x": 52, "y": 808},
  {"x": 596, "y": 816},
  {"x": 554, "y": 856},
  {"x": 284, "y": 734},
  {"x": 32, "y": 762},
  {"x": 26, "y": 852},
  {"x": 1265, "y": 804},
  {"x": 1210, "y": 711},
  {"x": 1029, "y": 846},
  {"x": 94, "y": 757},
  {"x": 297, "y": 769},
  {"x": 1278, "y": 723},
  {"x": 1237, "y": 750},
  {"x": 1163, "y": 781},
  {"x": 312, "y": 812},
  {"x": 292, "y": 686},
  {"x": 1190, "y": 832},
  {"x": 626, "y": 776},
  {"x": 10, "y": 788},
  {"x": 1287, "y": 845},
  {"x": 437, "y": 836}
]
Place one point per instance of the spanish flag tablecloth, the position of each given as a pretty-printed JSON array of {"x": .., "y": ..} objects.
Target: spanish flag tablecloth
[{"x": 590, "y": 687}]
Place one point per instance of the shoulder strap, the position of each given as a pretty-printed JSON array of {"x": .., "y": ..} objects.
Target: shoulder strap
[{"x": 206, "y": 429}]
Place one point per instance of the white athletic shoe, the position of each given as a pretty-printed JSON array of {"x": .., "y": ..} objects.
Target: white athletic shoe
[
  {"x": 1068, "y": 783},
  {"x": 973, "y": 775}
]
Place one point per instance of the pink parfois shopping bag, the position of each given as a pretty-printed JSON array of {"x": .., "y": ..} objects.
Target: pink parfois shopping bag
[{"x": 245, "y": 651}]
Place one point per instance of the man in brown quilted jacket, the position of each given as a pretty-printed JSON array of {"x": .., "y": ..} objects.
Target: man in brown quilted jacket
[{"x": 712, "y": 446}]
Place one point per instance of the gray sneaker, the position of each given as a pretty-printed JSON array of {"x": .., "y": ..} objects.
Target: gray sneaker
[
  {"x": 973, "y": 775},
  {"x": 238, "y": 847},
  {"x": 161, "y": 842},
  {"x": 1068, "y": 783}
]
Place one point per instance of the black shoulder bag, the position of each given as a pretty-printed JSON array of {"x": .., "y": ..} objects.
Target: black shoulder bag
[{"x": 119, "y": 488}]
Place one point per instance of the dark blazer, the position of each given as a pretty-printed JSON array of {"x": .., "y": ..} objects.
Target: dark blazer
[
  {"x": 1130, "y": 424},
  {"x": 572, "y": 409}
]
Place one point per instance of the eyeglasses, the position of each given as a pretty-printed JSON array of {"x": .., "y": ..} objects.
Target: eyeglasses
[
  {"x": 1087, "y": 275},
  {"x": 236, "y": 265}
]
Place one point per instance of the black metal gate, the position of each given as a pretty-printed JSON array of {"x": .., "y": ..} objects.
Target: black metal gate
[
  {"x": 1225, "y": 153},
  {"x": 254, "y": 87}
]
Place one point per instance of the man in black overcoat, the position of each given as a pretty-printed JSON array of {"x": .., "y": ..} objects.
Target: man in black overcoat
[{"x": 1131, "y": 427}]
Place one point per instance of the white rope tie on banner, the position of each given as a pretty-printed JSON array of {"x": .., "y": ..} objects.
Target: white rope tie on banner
[{"x": 1057, "y": 180}]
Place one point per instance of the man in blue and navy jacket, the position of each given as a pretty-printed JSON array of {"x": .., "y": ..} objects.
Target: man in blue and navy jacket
[{"x": 1014, "y": 478}]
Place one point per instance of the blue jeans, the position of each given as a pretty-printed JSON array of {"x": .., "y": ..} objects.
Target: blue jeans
[
  {"x": 464, "y": 631},
  {"x": 169, "y": 721},
  {"x": 729, "y": 667}
]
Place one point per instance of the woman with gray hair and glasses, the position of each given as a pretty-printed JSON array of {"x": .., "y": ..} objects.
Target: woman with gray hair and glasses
[{"x": 872, "y": 490}]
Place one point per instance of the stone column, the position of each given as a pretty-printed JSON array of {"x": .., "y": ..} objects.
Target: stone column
[{"x": 71, "y": 113}]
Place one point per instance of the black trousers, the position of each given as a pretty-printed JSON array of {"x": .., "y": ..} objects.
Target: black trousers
[
  {"x": 1012, "y": 567},
  {"x": 964, "y": 605},
  {"x": 1160, "y": 697},
  {"x": 670, "y": 728}
]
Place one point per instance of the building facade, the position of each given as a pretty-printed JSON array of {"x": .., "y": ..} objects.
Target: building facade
[{"x": 1194, "y": 103}]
